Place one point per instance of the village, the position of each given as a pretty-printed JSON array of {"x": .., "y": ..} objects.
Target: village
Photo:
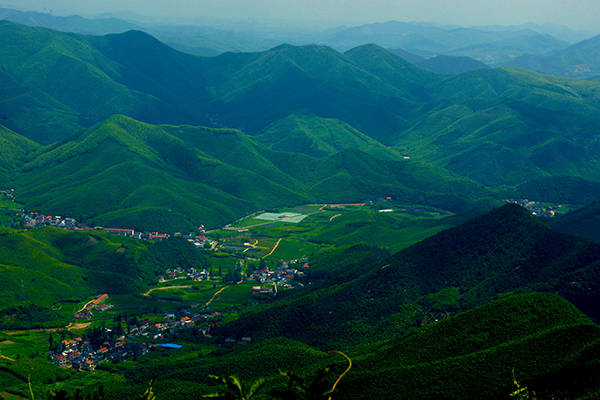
[
  {"x": 36, "y": 220},
  {"x": 137, "y": 340},
  {"x": 141, "y": 337},
  {"x": 539, "y": 209}
]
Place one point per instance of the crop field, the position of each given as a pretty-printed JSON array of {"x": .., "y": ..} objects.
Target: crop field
[
  {"x": 8, "y": 210},
  {"x": 289, "y": 249},
  {"x": 201, "y": 293},
  {"x": 323, "y": 226},
  {"x": 292, "y": 218},
  {"x": 23, "y": 343}
]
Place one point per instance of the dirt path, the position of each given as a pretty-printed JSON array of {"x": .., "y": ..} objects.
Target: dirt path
[
  {"x": 168, "y": 287},
  {"x": 276, "y": 244},
  {"x": 335, "y": 216},
  {"x": 7, "y": 358},
  {"x": 215, "y": 295},
  {"x": 79, "y": 325},
  {"x": 84, "y": 307}
]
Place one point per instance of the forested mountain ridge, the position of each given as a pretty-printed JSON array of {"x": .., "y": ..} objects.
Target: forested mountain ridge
[
  {"x": 491, "y": 256},
  {"x": 500, "y": 128},
  {"x": 176, "y": 178}
]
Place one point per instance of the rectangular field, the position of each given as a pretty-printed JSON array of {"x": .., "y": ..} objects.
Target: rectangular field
[{"x": 289, "y": 217}]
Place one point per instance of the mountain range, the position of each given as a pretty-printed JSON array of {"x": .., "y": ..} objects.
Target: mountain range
[
  {"x": 479, "y": 134},
  {"x": 123, "y": 130}
]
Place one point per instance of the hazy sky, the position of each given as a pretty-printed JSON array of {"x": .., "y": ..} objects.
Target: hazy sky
[{"x": 578, "y": 14}]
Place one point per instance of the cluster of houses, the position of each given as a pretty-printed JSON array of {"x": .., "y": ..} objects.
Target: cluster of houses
[
  {"x": 10, "y": 193},
  {"x": 86, "y": 313},
  {"x": 36, "y": 220},
  {"x": 538, "y": 209},
  {"x": 190, "y": 274},
  {"x": 79, "y": 354},
  {"x": 281, "y": 276}
]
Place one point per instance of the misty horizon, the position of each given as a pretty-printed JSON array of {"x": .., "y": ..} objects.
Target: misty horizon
[{"x": 320, "y": 15}]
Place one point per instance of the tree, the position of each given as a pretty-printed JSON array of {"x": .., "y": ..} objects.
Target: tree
[{"x": 236, "y": 389}]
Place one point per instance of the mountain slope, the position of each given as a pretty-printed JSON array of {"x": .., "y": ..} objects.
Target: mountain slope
[
  {"x": 581, "y": 60},
  {"x": 72, "y": 23},
  {"x": 319, "y": 137},
  {"x": 65, "y": 77},
  {"x": 581, "y": 222},
  {"x": 41, "y": 259},
  {"x": 450, "y": 65},
  {"x": 175, "y": 178},
  {"x": 14, "y": 150},
  {"x": 503, "y": 142},
  {"x": 542, "y": 341},
  {"x": 549, "y": 346},
  {"x": 502, "y": 252}
]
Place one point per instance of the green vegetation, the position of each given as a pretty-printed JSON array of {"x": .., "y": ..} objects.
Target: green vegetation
[
  {"x": 581, "y": 222},
  {"x": 380, "y": 309},
  {"x": 47, "y": 266},
  {"x": 125, "y": 174},
  {"x": 496, "y": 254},
  {"x": 543, "y": 340},
  {"x": 451, "y": 314},
  {"x": 320, "y": 137},
  {"x": 349, "y": 119}
]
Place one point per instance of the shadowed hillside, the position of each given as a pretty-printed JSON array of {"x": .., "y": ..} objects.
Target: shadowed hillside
[{"x": 505, "y": 251}]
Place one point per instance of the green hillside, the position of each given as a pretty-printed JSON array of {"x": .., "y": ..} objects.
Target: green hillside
[
  {"x": 561, "y": 190},
  {"x": 54, "y": 266},
  {"x": 469, "y": 356},
  {"x": 14, "y": 150},
  {"x": 582, "y": 222},
  {"x": 499, "y": 142},
  {"x": 320, "y": 137},
  {"x": 500, "y": 127},
  {"x": 505, "y": 251},
  {"x": 124, "y": 173},
  {"x": 47, "y": 266},
  {"x": 65, "y": 75},
  {"x": 538, "y": 339},
  {"x": 478, "y": 354},
  {"x": 494, "y": 128}
]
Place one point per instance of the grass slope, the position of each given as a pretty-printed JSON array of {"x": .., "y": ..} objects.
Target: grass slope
[{"x": 57, "y": 265}]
